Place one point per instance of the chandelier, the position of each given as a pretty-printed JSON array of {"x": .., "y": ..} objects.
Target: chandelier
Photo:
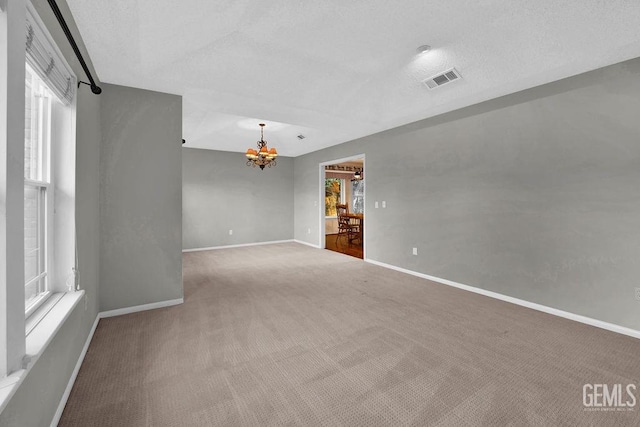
[{"x": 263, "y": 156}]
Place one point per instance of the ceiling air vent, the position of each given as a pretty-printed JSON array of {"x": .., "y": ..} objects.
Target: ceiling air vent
[
  {"x": 301, "y": 136},
  {"x": 442, "y": 78}
]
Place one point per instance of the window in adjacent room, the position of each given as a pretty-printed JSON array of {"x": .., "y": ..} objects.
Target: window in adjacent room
[
  {"x": 334, "y": 194},
  {"x": 357, "y": 196}
]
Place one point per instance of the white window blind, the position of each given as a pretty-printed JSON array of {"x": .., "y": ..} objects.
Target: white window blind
[{"x": 47, "y": 63}]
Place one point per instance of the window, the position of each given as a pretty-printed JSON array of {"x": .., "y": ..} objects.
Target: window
[
  {"x": 357, "y": 196},
  {"x": 38, "y": 193},
  {"x": 44, "y": 239},
  {"x": 333, "y": 195},
  {"x": 49, "y": 169}
]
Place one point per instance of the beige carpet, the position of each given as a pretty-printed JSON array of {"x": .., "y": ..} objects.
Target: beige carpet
[{"x": 290, "y": 335}]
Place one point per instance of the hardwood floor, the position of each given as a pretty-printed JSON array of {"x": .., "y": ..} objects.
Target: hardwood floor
[{"x": 342, "y": 245}]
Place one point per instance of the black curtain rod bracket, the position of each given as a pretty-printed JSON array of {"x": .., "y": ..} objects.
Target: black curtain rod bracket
[
  {"x": 95, "y": 89},
  {"x": 56, "y": 11}
]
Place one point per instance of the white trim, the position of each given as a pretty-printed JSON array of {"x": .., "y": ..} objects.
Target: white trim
[
  {"x": 37, "y": 301},
  {"x": 273, "y": 242},
  {"x": 41, "y": 184},
  {"x": 40, "y": 310},
  {"x": 321, "y": 202},
  {"x": 307, "y": 243},
  {"x": 343, "y": 159},
  {"x": 143, "y": 307},
  {"x": 74, "y": 375},
  {"x": 83, "y": 353},
  {"x": 43, "y": 333},
  {"x": 9, "y": 385},
  {"x": 37, "y": 341},
  {"x": 539, "y": 307}
]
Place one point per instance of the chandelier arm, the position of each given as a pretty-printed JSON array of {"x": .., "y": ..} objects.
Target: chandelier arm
[{"x": 263, "y": 157}]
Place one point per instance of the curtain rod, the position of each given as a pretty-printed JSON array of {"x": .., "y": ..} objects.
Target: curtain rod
[{"x": 56, "y": 11}]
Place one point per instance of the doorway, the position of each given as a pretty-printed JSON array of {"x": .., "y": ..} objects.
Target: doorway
[{"x": 342, "y": 206}]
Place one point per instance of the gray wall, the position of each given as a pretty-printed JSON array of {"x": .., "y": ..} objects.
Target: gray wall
[
  {"x": 220, "y": 194},
  {"x": 535, "y": 195},
  {"x": 38, "y": 397},
  {"x": 48, "y": 378},
  {"x": 140, "y": 197}
]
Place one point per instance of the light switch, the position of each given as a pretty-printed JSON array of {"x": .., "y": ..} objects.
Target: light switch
[
  {"x": 415, "y": 251},
  {"x": 376, "y": 205},
  {"x": 384, "y": 204}
]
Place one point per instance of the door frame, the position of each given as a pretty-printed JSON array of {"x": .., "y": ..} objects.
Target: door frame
[{"x": 322, "y": 175}]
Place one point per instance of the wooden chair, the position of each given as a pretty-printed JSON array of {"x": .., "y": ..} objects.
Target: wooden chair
[{"x": 345, "y": 227}]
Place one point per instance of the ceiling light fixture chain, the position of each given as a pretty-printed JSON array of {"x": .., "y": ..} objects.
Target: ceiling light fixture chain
[{"x": 263, "y": 156}]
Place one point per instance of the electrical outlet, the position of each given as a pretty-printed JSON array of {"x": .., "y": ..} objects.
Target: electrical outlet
[
  {"x": 415, "y": 251},
  {"x": 638, "y": 294},
  {"x": 315, "y": 203},
  {"x": 308, "y": 231},
  {"x": 376, "y": 205},
  {"x": 230, "y": 232},
  {"x": 384, "y": 204}
]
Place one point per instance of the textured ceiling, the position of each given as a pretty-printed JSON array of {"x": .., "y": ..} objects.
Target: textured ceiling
[{"x": 337, "y": 70}]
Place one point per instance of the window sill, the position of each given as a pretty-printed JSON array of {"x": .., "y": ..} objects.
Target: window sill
[
  {"x": 43, "y": 332},
  {"x": 50, "y": 317}
]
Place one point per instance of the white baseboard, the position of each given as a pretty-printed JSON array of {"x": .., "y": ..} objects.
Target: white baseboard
[
  {"x": 307, "y": 243},
  {"x": 74, "y": 375},
  {"x": 535, "y": 306},
  {"x": 102, "y": 315},
  {"x": 137, "y": 308},
  {"x": 273, "y": 242}
]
